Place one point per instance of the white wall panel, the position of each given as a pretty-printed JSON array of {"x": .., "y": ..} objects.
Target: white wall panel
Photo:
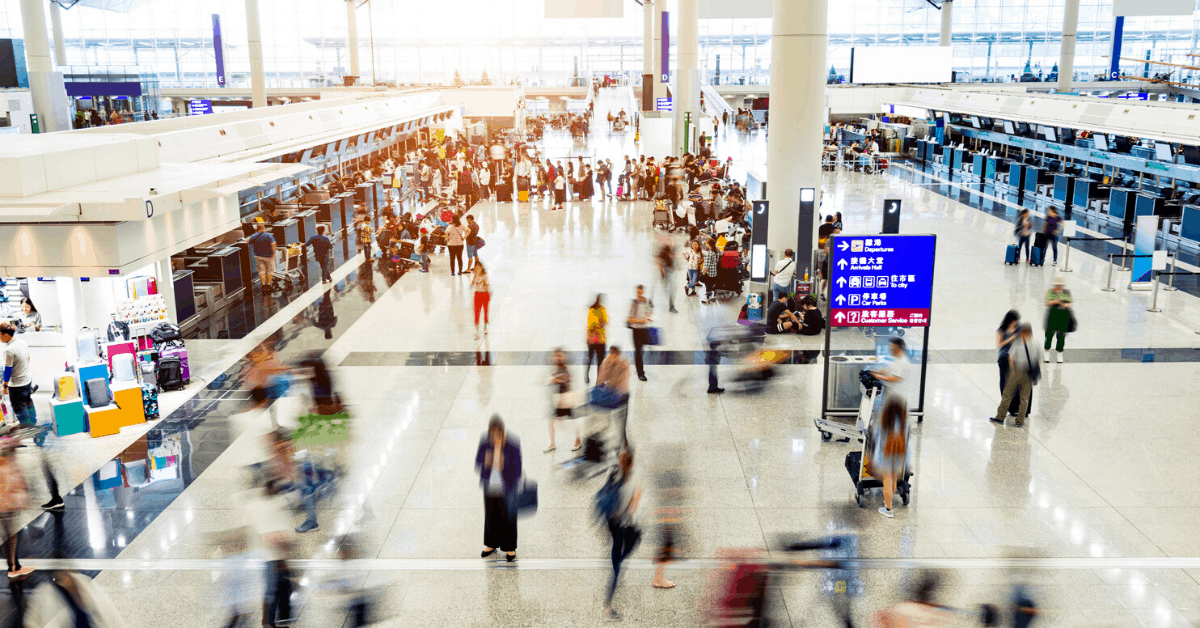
[
  {"x": 730, "y": 9},
  {"x": 584, "y": 8},
  {"x": 1153, "y": 7}
]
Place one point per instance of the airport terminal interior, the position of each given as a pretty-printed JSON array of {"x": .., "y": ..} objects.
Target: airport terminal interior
[{"x": 872, "y": 313}]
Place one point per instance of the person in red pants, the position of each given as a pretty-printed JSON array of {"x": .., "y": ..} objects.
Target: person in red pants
[{"x": 483, "y": 294}]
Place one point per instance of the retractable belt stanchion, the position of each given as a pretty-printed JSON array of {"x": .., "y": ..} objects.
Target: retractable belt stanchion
[
  {"x": 1154, "y": 304},
  {"x": 1171, "y": 282},
  {"x": 1109, "y": 287},
  {"x": 1067, "y": 261}
]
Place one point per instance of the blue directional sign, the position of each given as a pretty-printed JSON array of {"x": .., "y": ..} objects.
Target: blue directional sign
[{"x": 881, "y": 280}]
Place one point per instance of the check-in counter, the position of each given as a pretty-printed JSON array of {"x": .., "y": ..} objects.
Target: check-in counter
[
  {"x": 1120, "y": 204},
  {"x": 1147, "y": 205},
  {"x": 920, "y": 144},
  {"x": 1064, "y": 189},
  {"x": 1016, "y": 177},
  {"x": 1034, "y": 175},
  {"x": 1189, "y": 226},
  {"x": 1086, "y": 191},
  {"x": 948, "y": 161},
  {"x": 993, "y": 167},
  {"x": 959, "y": 156},
  {"x": 931, "y": 149}
]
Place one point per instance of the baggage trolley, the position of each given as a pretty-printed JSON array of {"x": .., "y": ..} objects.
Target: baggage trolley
[
  {"x": 662, "y": 216},
  {"x": 871, "y": 388},
  {"x": 864, "y": 482}
]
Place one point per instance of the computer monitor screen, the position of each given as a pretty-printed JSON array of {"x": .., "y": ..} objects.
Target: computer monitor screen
[
  {"x": 1100, "y": 141},
  {"x": 1049, "y": 134},
  {"x": 1191, "y": 155},
  {"x": 1008, "y": 128},
  {"x": 1162, "y": 150},
  {"x": 975, "y": 122},
  {"x": 1121, "y": 143},
  {"x": 1023, "y": 128}
]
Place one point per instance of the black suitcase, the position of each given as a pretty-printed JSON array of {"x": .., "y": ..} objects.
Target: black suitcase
[{"x": 1039, "y": 241}]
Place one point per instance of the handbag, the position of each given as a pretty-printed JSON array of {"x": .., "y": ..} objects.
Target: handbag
[
  {"x": 1072, "y": 324},
  {"x": 653, "y": 336},
  {"x": 1035, "y": 369},
  {"x": 605, "y": 397},
  {"x": 479, "y": 243},
  {"x": 527, "y": 498}
]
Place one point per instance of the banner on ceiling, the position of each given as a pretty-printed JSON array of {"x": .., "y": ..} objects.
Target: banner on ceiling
[
  {"x": 1153, "y": 7},
  {"x": 726, "y": 10},
  {"x": 558, "y": 9}
]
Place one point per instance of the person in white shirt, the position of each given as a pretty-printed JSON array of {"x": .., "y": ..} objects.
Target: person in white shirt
[
  {"x": 785, "y": 272},
  {"x": 897, "y": 373}
]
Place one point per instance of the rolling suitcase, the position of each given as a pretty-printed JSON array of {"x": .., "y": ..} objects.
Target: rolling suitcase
[
  {"x": 150, "y": 401},
  {"x": 523, "y": 196},
  {"x": 1037, "y": 256},
  {"x": 181, "y": 354},
  {"x": 1010, "y": 255}
]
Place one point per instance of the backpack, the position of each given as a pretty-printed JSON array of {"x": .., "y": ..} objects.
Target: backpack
[
  {"x": 608, "y": 500},
  {"x": 166, "y": 334},
  {"x": 170, "y": 373}
]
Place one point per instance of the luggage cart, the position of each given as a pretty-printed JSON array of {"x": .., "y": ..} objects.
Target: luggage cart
[{"x": 871, "y": 388}]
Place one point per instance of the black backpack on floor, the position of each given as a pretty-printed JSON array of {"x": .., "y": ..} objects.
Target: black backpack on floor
[{"x": 170, "y": 373}]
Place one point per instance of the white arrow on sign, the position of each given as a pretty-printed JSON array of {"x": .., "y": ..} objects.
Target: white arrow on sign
[
  {"x": 841, "y": 264},
  {"x": 840, "y": 317},
  {"x": 840, "y": 299},
  {"x": 843, "y": 246},
  {"x": 841, "y": 282}
]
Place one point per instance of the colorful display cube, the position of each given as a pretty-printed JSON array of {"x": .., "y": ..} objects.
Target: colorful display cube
[
  {"x": 104, "y": 421},
  {"x": 68, "y": 416},
  {"x": 128, "y": 397},
  {"x": 112, "y": 349}
]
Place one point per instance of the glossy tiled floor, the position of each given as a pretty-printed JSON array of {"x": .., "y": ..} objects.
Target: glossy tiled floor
[{"x": 1101, "y": 473}]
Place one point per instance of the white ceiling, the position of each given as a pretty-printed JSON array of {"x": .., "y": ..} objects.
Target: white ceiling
[{"x": 116, "y": 6}]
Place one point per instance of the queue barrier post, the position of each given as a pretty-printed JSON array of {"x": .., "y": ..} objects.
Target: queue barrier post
[
  {"x": 1171, "y": 282},
  {"x": 1154, "y": 303},
  {"x": 1108, "y": 287}
]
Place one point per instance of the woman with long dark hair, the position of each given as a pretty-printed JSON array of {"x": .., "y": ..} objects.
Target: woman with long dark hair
[
  {"x": 891, "y": 449},
  {"x": 1009, "y": 330}
]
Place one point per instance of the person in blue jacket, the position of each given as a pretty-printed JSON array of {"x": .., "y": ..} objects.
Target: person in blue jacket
[
  {"x": 498, "y": 461},
  {"x": 321, "y": 247}
]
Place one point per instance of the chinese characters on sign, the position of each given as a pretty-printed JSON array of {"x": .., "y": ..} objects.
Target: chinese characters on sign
[{"x": 884, "y": 280}]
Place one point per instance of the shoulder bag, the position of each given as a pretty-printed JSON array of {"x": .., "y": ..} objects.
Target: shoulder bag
[{"x": 1035, "y": 369}]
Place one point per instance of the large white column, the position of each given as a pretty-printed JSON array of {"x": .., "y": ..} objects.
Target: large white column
[
  {"x": 1066, "y": 61},
  {"x": 947, "y": 18},
  {"x": 60, "y": 47},
  {"x": 46, "y": 86},
  {"x": 649, "y": 74},
  {"x": 687, "y": 79},
  {"x": 352, "y": 36},
  {"x": 660, "y": 88},
  {"x": 797, "y": 119},
  {"x": 166, "y": 287},
  {"x": 258, "y": 79}
]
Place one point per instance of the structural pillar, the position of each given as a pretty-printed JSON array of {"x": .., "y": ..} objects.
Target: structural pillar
[
  {"x": 258, "y": 78},
  {"x": 797, "y": 122},
  {"x": 45, "y": 85},
  {"x": 1066, "y": 60},
  {"x": 649, "y": 74},
  {"x": 166, "y": 287},
  {"x": 352, "y": 36},
  {"x": 947, "y": 19},
  {"x": 686, "y": 103},
  {"x": 60, "y": 47}
]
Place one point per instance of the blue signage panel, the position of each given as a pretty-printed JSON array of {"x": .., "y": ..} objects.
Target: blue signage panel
[
  {"x": 218, "y": 50},
  {"x": 881, "y": 280},
  {"x": 663, "y": 104},
  {"x": 199, "y": 107},
  {"x": 666, "y": 48}
]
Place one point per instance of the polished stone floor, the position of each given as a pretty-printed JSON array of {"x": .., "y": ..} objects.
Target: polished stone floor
[{"x": 1093, "y": 497}]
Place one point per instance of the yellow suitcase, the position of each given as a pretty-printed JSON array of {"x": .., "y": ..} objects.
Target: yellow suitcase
[{"x": 523, "y": 196}]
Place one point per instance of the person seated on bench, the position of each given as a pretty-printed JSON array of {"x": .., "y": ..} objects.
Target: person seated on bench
[
  {"x": 780, "y": 320},
  {"x": 811, "y": 320}
]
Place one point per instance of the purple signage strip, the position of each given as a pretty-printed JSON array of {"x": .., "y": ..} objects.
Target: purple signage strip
[
  {"x": 666, "y": 47},
  {"x": 217, "y": 50}
]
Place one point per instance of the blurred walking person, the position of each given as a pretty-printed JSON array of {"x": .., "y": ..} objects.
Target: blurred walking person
[
  {"x": 70, "y": 599},
  {"x": 639, "y": 318},
  {"x": 1023, "y": 373},
  {"x": 483, "y": 295},
  {"x": 498, "y": 461},
  {"x": 560, "y": 382},
  {"x": 1060, "y": 321},
  {"x": 614, "y": 375},
  {"x": 890, "y": 455},
  {"x": 1009, "y": 331},
  {"x": 617, "y": 502},
  {"x": 597, "y": 324},
  {"x": 14, "y": 497},
  {"x": 664, "y": 263}
]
